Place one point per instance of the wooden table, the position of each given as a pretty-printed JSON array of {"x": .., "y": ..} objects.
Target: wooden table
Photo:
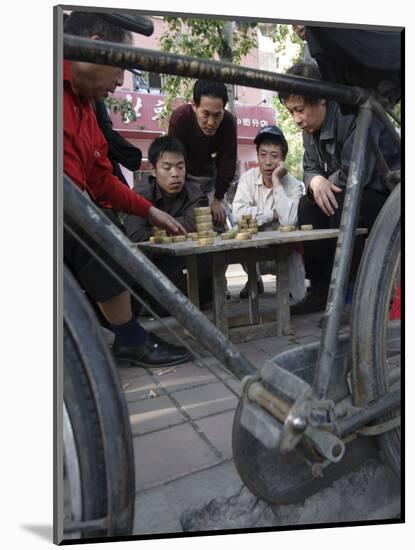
[{"x": 267, "y": 245}]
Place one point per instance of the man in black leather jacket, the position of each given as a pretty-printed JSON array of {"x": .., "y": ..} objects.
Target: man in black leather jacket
[{"x": 328, "y": 137}]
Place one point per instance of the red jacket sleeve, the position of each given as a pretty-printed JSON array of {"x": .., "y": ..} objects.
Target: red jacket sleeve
[
  {"x": 86, "y": 161},
  {"x": 108, "y": 191}
]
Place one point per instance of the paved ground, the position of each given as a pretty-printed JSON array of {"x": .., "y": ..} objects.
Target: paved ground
[{"x": 181, "y": 420}]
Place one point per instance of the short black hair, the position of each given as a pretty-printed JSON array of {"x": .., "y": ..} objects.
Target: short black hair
[
  {"x": 165, "y": 144},
  {"x": 269, "y": 139},
  {"x": 209, "y": 88},
  {"x": 306, "y": 70},
  {"x": 87, "y": 24}
]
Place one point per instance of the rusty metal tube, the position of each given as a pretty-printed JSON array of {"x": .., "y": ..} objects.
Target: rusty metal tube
[
  {"x": 127, "y": 57},
  {"x": 342, "y": 259},
  {"x": 275, "y": 406}
]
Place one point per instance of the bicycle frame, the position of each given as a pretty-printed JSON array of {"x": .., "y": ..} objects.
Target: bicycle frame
[{"x": 137, "y": 265}]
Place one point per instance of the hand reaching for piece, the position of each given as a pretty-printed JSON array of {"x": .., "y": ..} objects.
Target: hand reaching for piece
[
  {"x": 165, "y": 221},
  {"x": 218, "y": 212}
]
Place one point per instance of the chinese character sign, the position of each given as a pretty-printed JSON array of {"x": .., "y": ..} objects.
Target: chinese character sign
[
  {"x": 148, "y": 109},
  {"x": 250, "y": 118}
]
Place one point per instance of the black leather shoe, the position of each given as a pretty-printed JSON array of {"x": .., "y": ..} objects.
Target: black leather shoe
[
  {"x": 314, "y": 301},
  {"x": 154, "y": 353},
  {"x": 244, "y": 294}
]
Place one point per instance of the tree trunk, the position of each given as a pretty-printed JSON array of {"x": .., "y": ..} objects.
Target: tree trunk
[{"x": 227, "y": 55}]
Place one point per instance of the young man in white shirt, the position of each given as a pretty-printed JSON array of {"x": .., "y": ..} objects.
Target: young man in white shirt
[{"x": 271, "y": 195}]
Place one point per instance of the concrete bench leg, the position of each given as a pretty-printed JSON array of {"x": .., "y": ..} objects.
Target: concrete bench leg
[
  {"x": 283, "y": 293},
  {"x": 220, "y": 309},
  {"x": 192, "y": 280}
]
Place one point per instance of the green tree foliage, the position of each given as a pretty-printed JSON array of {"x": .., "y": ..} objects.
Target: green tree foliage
[
  {"x": 204, "y": 38},
  {"x": 293, "y": 135},
  {"x": 122, "y": 106},
  {"x": 283, "y": 36}
]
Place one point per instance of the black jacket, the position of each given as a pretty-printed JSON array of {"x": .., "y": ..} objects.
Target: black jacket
[
  {"x": 359, "y": 57},
  {"x": 120, "y": 151},
  {"x": 328, "y": 151}
]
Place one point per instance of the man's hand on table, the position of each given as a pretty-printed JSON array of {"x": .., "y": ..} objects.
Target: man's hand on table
[
  {"x": 218, "y": 211},
  {"x": 165, "y": 221}
]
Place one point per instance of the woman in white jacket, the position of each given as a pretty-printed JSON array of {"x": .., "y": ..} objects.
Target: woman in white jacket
[{"x": 271, "y": 195}]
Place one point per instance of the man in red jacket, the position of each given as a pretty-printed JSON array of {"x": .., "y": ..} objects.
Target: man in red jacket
[{"x": 87, "y": 165}]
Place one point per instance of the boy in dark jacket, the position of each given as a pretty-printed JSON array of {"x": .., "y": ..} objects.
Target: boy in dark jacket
[{"x": 168, "y": 189}]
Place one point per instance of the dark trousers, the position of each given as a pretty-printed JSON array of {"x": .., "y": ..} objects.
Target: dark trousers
[
  {"x": 173, "y": 269},
  {"x": 319, "y": 255},
  {"x": 93, "y": 277}
]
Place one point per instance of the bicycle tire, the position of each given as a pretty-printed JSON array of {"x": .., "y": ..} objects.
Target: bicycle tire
[
  {"x": 370, "y": 316},
  {"x": 97, "y": 423}
]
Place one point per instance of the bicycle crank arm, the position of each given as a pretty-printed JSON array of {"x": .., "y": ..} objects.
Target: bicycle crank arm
[{"x": 289, "y": 425}]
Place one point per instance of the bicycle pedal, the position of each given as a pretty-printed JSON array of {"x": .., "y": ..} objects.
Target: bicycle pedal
[{"x": 285, "y": 383}]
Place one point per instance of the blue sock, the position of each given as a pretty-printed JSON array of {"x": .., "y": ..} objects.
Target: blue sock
[
  {"x": 349, "y": 293},
  {"x": 130, "y": 334}
]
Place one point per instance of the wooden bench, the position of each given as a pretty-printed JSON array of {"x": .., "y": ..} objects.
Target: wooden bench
[{"x": 267, "y": 245}]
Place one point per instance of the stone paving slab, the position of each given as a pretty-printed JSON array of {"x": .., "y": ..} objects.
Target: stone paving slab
[
  {"x": 206, "y": 400},
  {"x": 186, "y": 376},
  {"x": 235, "y": 386},
  {"x": 221, "y": 372},
  {"x": 215, "y": 499},
  {"x": 139, "y": 387},
  {"x": 170, "y": 453},
  {"x": 218, "y": 429},
  {"x": 370, "y": 493},
  {"x": 304, "y": 340},
  {"x": 149, "y": 415},
  {"x": 160, "y": 509}
]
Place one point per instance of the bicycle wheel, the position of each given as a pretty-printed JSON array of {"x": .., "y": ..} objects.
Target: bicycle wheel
[
  {"x": 99, "y": 483},
  {"x": 376, "y": 341}
]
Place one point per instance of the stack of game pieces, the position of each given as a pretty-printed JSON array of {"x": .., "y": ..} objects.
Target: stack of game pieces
[
  {"x": 231, "y": 234},
  {"x": 252, "y": 226},
  {"x": 243, "y": 222},
  {"x": 158, "y": 236},
  {"x": 204, "y": 226},
  {"x": 244, "y": 231},
  {"x": 287, "y": 228}
]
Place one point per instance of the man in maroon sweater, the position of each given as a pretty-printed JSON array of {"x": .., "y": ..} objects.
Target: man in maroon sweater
[
  {"x": 208, "y": 133},
  {"x": 86, "y": 163}
]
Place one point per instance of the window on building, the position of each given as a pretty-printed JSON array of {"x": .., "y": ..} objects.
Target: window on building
[
  {"x": 147, "y": 82},
  {"x": 235, "y": 92}
]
